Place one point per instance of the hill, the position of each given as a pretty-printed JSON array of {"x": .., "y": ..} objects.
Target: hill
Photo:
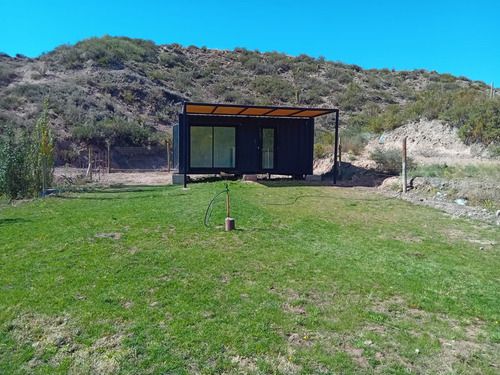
[{"x": 136, "y": 87}]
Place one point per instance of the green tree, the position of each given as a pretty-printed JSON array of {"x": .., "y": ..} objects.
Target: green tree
[
  {"x": 42, "y": 153},
  {"x": 14, "y": 165},
  {"x": 27, "y": 160}
]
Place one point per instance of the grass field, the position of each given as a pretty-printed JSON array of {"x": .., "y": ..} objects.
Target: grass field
[{"x": 129, "y": 280}]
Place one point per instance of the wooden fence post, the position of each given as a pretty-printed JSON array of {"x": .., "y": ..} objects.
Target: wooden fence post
[
  {"x": 404, "y": 165},
  {"x": 167, "y": 144},
  {"x": 340, "y": 157},
  {"x": 89, "y": 170},
  {"x": 109, "y": 156}
]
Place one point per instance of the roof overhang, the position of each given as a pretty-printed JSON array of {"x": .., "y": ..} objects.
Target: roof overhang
[{"x": 191, "y": 108}]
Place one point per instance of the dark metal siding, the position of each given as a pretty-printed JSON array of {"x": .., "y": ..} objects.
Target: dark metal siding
[
  {"x": 294, "y": 147},
  {"x": 247, "y": 152},
  {"x": 293, "y": 144}
]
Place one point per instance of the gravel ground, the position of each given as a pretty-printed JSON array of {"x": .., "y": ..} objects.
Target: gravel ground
[
  {"x": 77, "y": 176},
  {"x": 421, "y": 196}
]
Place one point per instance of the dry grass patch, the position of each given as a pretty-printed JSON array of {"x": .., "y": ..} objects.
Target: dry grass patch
[
  {"x": 56, "y": 344},
  {"x": 113, "y": 236}
]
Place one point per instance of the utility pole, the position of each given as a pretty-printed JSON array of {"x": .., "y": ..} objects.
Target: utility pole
[{"x": 491, "y": 92}]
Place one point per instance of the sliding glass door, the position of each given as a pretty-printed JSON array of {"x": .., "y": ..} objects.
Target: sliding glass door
[
  {"x": 224, "y": 147},
  {"x": 213, "y": 147}
]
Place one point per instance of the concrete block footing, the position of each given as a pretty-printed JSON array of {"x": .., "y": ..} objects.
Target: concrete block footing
[
  {"x": 178, "y": 179},
  {"x": 250, "y": 177}
]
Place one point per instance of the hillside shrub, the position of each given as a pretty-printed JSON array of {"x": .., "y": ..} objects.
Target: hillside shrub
[
  {"x": 319, "y": 151},
  {"x": 34, "y": 93},
  {"x": 447, "y": 78},
  {"x": 469, "y": 109},
  {"x": 7, "y": 75},
  {"x": 171, "y": 60},
  {"x": 157, "y": 75},
  {"x": 393, "y": 117},
  {"x": 353, "y": 140},
  {"x": 339, "y": 73},
  {"x": 311, "y": 97},
  {"x": 277, "y": 89},
  {"x": 182, "y": 80},
  {"x": 306, "y": 67},
  {"x": 483, "y": 123},
  {"x": 107, "y": 52},
  {"x": 389, "y": 161},
  {"x": 118, "y": 131},
  {"x": 279, "y": 61},
  {"x": 251, "y": 63},
  {"x": 462, "y": 104},
  {"x": 434, "y": 170},
  {"x": 10, "y": 102},
  {"x": 325, "y": 145},
  {"x": 352, "y": 97},
  {"x": 304, "y": 58},
  {"x": 495, "y": 151}
]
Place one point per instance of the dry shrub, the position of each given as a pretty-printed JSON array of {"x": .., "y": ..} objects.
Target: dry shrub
[{"x": 390, "y": 161}]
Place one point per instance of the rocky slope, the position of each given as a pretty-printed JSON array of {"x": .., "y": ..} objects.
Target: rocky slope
[{"x": 109, "y": 77}]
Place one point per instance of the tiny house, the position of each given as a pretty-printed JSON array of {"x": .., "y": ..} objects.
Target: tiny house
[{"x": 243, "y": 139}]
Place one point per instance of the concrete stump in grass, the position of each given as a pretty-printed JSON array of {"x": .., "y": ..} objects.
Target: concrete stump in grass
[{"x": 229, "y": 224}]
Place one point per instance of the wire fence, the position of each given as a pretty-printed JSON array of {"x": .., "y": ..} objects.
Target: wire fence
[{"x": 123, "y": 159}]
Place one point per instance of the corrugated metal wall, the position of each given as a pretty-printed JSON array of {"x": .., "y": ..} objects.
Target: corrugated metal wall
[{"x": 294, "y": 140}]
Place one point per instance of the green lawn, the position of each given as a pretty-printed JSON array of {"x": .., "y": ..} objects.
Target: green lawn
[{"x": 129, "y": 280}]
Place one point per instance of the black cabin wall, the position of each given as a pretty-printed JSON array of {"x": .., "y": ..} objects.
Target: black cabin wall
[{"x": 294, "y": 140}]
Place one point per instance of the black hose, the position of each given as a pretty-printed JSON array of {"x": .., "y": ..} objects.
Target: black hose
[
  {"x": 210, "y": 208},
  {"x": 312, "y": 196}
]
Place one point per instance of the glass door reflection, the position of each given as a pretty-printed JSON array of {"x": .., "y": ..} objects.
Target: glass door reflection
[{"x": 267, "y": 148}]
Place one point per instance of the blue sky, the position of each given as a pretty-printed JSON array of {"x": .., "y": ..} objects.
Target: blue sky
[{"x": 457, "y": 37}]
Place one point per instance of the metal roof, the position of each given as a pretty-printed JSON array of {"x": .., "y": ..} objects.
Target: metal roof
[{"x": 252, "y": 110}]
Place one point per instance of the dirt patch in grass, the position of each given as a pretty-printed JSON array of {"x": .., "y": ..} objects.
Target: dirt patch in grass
[
  {"x": 356, "y": 355},
  {"x": 284, "y": 364},
  {"x": 455, "y": 234},
  {"x": 388, "y": 305},
  {"x": 54, "y": 340},
  {"x": 281, "y": 364},
  {"x": 299, "y": 310},
  {"x": 405, "y": 337},
  {"x": 245, "y": 364},
  {"x": 296, "y": 339},
  {"x": 460, "y": 342},
  {"x": 113, "y": 236}
]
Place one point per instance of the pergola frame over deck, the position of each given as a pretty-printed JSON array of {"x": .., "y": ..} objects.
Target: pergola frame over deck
[{"x": 234, "y": 110}]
